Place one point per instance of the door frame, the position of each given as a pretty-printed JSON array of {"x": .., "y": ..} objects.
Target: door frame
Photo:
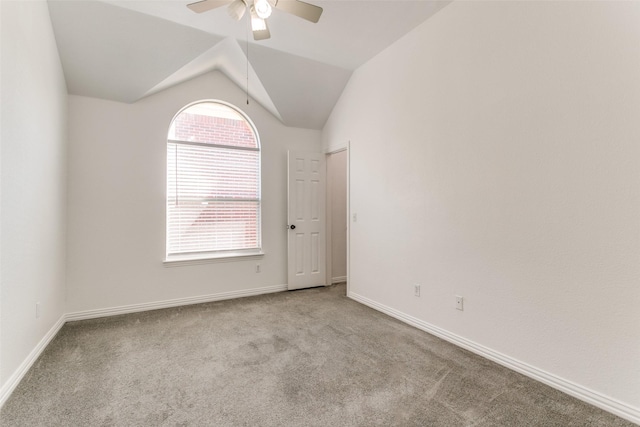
[{"x": 328, "y": 205}]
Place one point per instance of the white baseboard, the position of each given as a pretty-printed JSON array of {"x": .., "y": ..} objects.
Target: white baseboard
[
  {"x": 17, "y": 376},
  {"x": 338, "y": 279},
  {"x": 134, "y": 308},
  {"x": 614, "y": 406}
]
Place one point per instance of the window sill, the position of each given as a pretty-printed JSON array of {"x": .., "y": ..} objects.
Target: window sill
[{"x": 184, "y": 260}]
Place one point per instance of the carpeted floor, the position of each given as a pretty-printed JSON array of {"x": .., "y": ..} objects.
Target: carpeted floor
[{"x": 304, "y": 358}]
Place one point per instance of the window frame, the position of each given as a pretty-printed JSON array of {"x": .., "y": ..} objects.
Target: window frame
[{"x": 201, "y": 257}]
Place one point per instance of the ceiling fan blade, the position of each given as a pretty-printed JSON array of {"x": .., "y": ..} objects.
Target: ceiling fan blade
[
  {"x": 304, "y": 10},
  {"x": 262, "y": 34},
  {"x": 205, "y": 5}
]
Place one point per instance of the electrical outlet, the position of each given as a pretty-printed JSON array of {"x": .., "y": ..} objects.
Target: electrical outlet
[
  {"x": 416, "y": 290},
  {"x": 37, "y": 310},
  {"x": 459, "y": 300},
  {"x": 258, "y": 269},
  {"x": 355, "y": 217}
]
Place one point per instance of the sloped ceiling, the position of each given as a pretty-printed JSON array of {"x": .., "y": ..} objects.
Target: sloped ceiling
[
  {"x": 113, "y": 53},
  {"x": 126, "y": 50}
]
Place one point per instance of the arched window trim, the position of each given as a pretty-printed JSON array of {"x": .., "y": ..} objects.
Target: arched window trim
[{"x": 217, "y": 255}]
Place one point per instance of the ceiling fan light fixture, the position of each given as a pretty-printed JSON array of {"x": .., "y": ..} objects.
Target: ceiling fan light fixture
[
  {"x": 262, "y": 8},
  {"x": 236, "y": 9},
  {"x": 258, "y": 24}
]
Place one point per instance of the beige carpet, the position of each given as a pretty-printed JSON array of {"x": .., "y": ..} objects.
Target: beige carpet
[{"x": 304, "y": 358}]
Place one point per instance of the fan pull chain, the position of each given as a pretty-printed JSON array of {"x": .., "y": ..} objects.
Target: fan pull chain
[{"x": 248, "y": 24}]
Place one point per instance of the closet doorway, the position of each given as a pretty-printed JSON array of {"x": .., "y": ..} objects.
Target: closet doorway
[{"x": 337, "y": 216}]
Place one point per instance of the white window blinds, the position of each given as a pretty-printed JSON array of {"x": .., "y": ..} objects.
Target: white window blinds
[{"x": 213, "y": 182}]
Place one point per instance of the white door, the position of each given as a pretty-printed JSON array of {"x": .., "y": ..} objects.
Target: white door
[{"x": 306, "y": 222}]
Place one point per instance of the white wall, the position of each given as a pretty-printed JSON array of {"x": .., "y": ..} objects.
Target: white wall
[
  {"x": 33, "y": 180},
  {"x": 495, "y": 154},
  {"x": 337, "y": 188},
  {"x": 117, "y": 201}
]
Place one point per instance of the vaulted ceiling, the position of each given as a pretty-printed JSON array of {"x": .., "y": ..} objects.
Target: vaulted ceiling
[{"x": 126, "y": 50}]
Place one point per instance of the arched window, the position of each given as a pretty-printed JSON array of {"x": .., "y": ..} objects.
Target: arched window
[{"x": 213, "y": 183}]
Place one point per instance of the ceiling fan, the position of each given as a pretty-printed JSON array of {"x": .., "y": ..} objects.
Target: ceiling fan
[{"x": 260, "y": 10}]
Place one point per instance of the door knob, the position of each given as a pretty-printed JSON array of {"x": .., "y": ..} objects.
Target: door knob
[{"x": 293, "y": 227}]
